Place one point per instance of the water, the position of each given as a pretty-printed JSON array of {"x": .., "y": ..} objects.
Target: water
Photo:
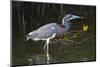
[{"x": 32, "y": 52}]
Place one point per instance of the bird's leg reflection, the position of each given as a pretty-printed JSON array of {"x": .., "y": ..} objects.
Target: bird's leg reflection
[{"x": 45, "y": 46}]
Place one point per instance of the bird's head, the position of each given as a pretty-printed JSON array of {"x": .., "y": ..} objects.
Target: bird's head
[{"x": 69, "y": 17}]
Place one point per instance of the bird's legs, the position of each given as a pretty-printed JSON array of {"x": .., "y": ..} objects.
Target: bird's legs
[
  {"x": 48, "y": 56},
  {"x": 47, "y": 47},
  {"x": 47, "y": 50},
  {"x": 47, "y": 41}
]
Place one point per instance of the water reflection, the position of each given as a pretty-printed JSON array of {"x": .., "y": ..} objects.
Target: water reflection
[{"x": 32, "y": 53}]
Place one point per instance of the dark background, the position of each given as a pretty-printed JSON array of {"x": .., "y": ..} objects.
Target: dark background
[{"x": 28, "y": 16}]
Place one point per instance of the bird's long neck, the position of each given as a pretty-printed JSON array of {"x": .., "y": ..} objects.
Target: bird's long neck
[{"x": 66, "y": 23}]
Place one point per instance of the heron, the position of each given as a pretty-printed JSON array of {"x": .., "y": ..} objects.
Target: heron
[{"x": 50, "y": 31}]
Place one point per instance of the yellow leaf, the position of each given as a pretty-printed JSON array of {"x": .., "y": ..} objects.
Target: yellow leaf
[{"x": 85, "y": 28}]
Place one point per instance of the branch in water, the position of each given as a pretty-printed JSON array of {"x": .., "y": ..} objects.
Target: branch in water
[
  {"x": 85, "y": 39},
  {"x": 62, "y": 41}
]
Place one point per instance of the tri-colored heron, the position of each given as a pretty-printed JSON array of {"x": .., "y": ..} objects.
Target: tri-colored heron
[{"x": 51, "y": 30}]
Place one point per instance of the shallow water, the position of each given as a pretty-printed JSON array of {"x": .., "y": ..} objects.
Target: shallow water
[{"x": 32, "y": 52}]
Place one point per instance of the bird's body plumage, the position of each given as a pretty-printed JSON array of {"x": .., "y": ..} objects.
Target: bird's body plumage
[{"x": 46, "y": 31}]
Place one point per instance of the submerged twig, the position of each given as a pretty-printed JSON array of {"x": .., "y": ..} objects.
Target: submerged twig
[
  {"x": 62, "y": 41},
  {"x": 84, "y": 40}
]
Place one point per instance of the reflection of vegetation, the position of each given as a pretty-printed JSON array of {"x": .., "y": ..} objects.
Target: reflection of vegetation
[
  {"x": 65, "y": 37},
  {"x": 82, "y": 49},
  {"x": 72, "y": 38}
]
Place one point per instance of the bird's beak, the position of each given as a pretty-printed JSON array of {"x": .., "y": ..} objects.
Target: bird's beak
[{"x": 76, "y": 17}]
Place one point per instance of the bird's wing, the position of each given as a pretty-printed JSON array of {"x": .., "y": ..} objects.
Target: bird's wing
[
  {"x": 47, "y": 26},
  {"x": 46, "y": 33}
]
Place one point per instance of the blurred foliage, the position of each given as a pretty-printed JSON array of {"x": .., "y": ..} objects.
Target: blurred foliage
[{"x": 65, "y": 37}]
